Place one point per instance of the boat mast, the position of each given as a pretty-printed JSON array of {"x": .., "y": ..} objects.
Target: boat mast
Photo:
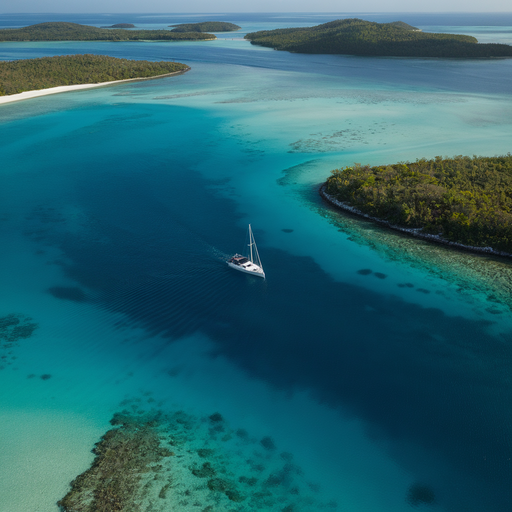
[{"x": 250, "y": 241}]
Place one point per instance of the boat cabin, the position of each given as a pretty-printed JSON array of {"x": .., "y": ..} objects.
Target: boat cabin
[{"x": 239, "y": 260}]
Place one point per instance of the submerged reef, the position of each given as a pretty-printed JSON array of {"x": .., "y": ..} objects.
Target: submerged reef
[
  {"x": 156, "y": 461},
  {"x": 124, "y": 458},
  {"x": 419, "y": 494},
  {"x": 72, "y": 293},
  {"x": 468, "y": 273},
  {"x": 13, "y": 328},
  {"x": 16, "y": 327}
]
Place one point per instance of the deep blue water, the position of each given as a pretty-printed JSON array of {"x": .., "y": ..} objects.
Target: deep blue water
[{"x": 128, "y": 200}]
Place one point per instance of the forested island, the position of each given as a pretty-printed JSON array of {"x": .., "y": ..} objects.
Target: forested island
[
  {"x": 206, "y": 26},
  {"x": 359, "y": 37},
  {"x": 33, "y": 74},
  {"x": 64, "y": 31},
  {"x": 461, "y": 200},
  {"x": 121, "y": 25}
]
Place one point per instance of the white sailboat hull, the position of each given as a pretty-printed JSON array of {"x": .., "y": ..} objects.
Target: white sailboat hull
[{"x": 252, "y": 269}]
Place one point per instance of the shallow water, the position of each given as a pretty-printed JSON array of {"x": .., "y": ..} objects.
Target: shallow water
[{"x": 376, "y": 360}]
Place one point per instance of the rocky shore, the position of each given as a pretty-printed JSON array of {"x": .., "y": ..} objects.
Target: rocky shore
[{"x": 416, "y": 232}]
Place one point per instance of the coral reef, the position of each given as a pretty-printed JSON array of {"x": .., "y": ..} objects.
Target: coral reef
[
  {"x": 72, "y": 293},
  {"x": 268, "y": 443},
  {"x": 460, "y": 269},
  {"x": 124, "y": 457},
  {"x": 13, "y": 328},
  {"x": 16, "y": 327},
  {"x": 419, "y": 494},
  {"x": 156, "y": 461}
]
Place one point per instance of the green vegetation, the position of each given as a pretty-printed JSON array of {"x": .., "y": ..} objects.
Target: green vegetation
[
  {"x": 462, "y": 199},
  {"x": 401, "y": 24},
  {"x": 206, "y": 26},
  {"x": 63, "y": 31},
  {"x": 121, "y": 25},
  {"x": 359, "y": 37},
  {"x": 33, "y": 74}
]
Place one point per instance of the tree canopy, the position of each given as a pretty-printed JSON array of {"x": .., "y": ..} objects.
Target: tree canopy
[
  {"x": 206, "y": 26},
  {"x": 402, "y": 24},
  {"x": 359, "y": 37},
  {"x": 121, "y": 25},
  {"x": 462, "y": 199},
  {"x": 64, "y": 31},
  {"x": 34, "y": 74}
]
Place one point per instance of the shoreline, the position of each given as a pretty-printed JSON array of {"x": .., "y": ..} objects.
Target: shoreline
[
  {"x": 27, "y": 95},
  {"x": 415, "y": 232}
]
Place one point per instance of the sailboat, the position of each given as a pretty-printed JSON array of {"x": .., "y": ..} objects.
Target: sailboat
[{"x": 250, "y": 264}]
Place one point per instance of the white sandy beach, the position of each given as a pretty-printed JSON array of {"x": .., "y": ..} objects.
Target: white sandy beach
[{"x": 68, "y": 88}]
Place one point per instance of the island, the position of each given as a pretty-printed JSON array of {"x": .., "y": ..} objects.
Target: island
[
  {"x": 64, "y": 31},
  {"x": 121, "y": 25},
  {"x": 402, "y": 24},
  {"x": 366, "y": 38},
  {"x": 461, "y": 201},
  {"x": 206, "y": 26},
  {"x": 68, "y": 70}
]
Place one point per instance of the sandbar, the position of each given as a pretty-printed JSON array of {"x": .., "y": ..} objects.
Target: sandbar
[{"x": 27, "y": 95}]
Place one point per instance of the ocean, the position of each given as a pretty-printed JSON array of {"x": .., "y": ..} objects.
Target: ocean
[{"x": 378, "y": 364}]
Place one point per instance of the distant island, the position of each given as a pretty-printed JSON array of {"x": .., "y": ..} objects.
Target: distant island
[
  {"x": 34, "y": 74},
  {"x": 402, "y": 24},
  {"x": 359, "y": 37},
  {"x": 64, "y": 31},
  {"x": 461, "y": 201},
  {"x": 121, "y": 25},
  {"x": 206, "y": 26}
]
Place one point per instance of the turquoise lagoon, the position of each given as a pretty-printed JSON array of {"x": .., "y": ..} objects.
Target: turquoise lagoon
[{"x": 378, "y": 361}]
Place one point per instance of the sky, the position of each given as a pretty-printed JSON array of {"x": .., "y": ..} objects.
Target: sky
[{"x": 210, "y": 6}]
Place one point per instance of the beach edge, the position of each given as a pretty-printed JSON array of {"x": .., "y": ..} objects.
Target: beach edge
[{"x": 27, "y": 95}]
